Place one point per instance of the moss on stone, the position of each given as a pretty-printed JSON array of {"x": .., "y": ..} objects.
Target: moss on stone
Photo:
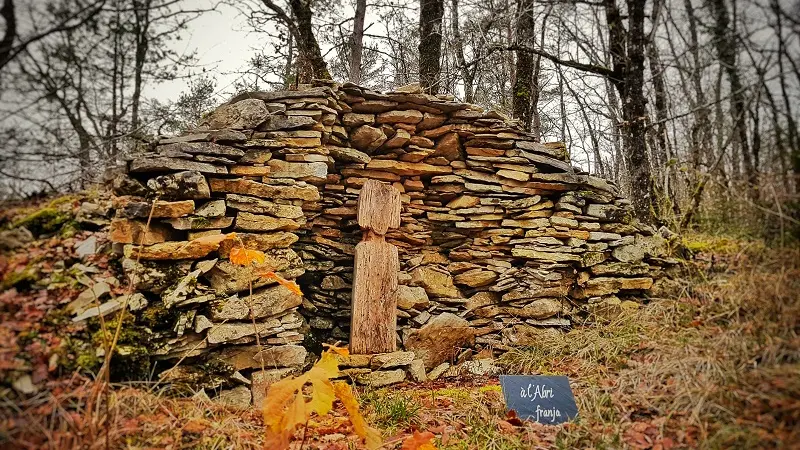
[
  {"x": 56, "y": 202},
  {"x": 157, "y": 317},
  {"x": 69, "y": 229},
  {"x": 44, "y": 221},
  {"x": 130, "y": 332},
  {"x": 200, "y": 222},
  {"x": 77, "y": 354},
  {"x": 131, "y": 358},
  {"x": 130, "y": 362},
  {"x": 88, "y": 361},
  {"x": 57, "y": 318},
  {"x": 22, "y": 278}
]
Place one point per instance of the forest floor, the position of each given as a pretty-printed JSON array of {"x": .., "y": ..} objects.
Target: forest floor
[{"x": 717, "y": 366}]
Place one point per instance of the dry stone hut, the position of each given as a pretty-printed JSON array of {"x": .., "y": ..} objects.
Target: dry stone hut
[{"x": 499, "y": 235}]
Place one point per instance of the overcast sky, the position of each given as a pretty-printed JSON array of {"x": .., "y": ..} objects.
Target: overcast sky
[{"x": 223, "y": 45}]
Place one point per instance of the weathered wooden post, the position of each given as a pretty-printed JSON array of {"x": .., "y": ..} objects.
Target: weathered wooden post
[{"x": 373, "y": 318}]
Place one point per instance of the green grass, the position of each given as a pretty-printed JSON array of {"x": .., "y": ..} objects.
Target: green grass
[{"x": 397, "y": 411}]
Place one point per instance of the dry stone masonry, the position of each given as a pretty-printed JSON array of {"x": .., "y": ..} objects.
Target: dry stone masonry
[{"x": 499, "y": 235}]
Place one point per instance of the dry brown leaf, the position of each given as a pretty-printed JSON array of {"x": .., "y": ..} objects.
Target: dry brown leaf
[{"x": 419, "y": 441}]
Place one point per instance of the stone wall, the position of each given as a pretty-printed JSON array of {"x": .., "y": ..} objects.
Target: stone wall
[{"x": 499, "y": 234}]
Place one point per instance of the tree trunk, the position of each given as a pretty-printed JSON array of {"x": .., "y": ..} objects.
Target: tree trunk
[
  {"x": 10, "y": 18},
  {"x": 287, "y": 67},
  {"x": 536, "y": 125},
  {"x": 523, "y": 83},
  {"x": 430, "y": 44},
  {"x": 701, "y": 134},
  {"x": 141, "y": 30},
  {"x": 791, "y": 125},
  {"x": 357, "y": 41},
  {"x": 628, "y": 51},
  {"x": 458, "y": 43},
  {"x": 657, "y": 72},
  {"x": 726, "y": 45},
  {"x": 311, "y": 64}
]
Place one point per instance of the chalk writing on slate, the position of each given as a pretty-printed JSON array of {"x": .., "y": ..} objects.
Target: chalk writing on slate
[{"x": 544, "y": 399}]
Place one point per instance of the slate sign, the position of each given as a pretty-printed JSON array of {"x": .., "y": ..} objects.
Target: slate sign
[{"x": 544, "y": 399}]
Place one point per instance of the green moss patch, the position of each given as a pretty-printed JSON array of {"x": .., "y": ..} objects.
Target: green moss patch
[{"x": 44, "y": 221}]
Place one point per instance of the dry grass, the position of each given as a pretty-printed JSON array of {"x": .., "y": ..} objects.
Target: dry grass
[
  {"x": 137, "y": 417},
  {"x": 716, "y": 366}
]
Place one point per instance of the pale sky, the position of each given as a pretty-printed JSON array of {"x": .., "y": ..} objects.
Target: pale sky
[{"x": 223, "y": 46}]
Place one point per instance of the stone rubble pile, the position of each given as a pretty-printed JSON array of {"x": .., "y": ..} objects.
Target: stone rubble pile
[{"x": 499, "y": 235}]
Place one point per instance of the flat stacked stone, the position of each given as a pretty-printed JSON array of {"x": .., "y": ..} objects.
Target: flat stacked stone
[{"x": 499, "y": 234}]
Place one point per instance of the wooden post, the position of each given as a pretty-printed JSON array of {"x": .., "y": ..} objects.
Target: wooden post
[{"x": 373, "y": 319}]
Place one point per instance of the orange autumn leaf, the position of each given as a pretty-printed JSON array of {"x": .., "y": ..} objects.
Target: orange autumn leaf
[
  {"x": 278, "y": 441},
  {"x": 326, "y": 368},
  {"x": 288, "y": 284},
  {"x": 212, "y": 240},
  {"x": 419, "y": 441},
  {"x": 195, "y": 426},
  {"x": 342, "y": 351},
  {"x": 278, "y": 397},
  {"x": 371, "y": 436},
  {"x": 322, "y": 396},
  {"x": 244, "y": 256},
  {"x": 285, "y": 406},
  {"x": 297, "y": 414}
]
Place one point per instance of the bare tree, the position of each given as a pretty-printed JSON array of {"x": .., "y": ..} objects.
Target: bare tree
[
  {"x": 70, "y": 17},
  {"x": 310, "y": 62},
  {"x": 357, "y": 41},
  {"x": 726, "y": 44},
  {"x": 524, "y": 85},
  {"x": 82, "y": 87},
  {"x": 430, "y": 44}
]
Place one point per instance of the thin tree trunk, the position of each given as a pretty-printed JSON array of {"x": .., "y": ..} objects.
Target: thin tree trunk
[
  {"x": 357, "y": 41},
  {"x": 629, "y": 51},
  {"x": 287, "y": 67},
  {"x": 659, "y": 89},
  {"x": 536, "y": 125},
  {"x": 430, "y": 44},
  {"x": 755, "y": 115},
  {"x": 701, "y": 132},
  {"x": 312, "y": 64},
  {"x": 523, "y": 83},
  {"x": 141, "y": 30},
  {"x": 467, "y": 76},
  {"x": 778, "y": 130},
  {"x": 10, "y": 35},
  {"x": 726, "y": 45},
  {"x": 599, "y": 167}
]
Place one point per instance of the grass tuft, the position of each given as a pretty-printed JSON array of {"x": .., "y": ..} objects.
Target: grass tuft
[{"x": 391, "y": 412}]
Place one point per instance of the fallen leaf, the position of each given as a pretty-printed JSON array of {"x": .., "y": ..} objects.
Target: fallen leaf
[
  {"x": 419, "y": 441},
  {"x": 291, "y": 285},
  {"x": 343, "y": 351},
  {"x": 513, "y": 419},
  {"x": 244, "y": 256},
  {"x": 195, "y": 426},
  {"x": 370, "y": 435}
]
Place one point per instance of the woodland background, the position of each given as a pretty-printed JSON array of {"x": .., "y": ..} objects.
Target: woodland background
[{"x": 691, "y": 106}]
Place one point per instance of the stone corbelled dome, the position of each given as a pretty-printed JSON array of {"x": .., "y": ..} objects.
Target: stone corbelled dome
[{"x": 500, "y": 236}]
